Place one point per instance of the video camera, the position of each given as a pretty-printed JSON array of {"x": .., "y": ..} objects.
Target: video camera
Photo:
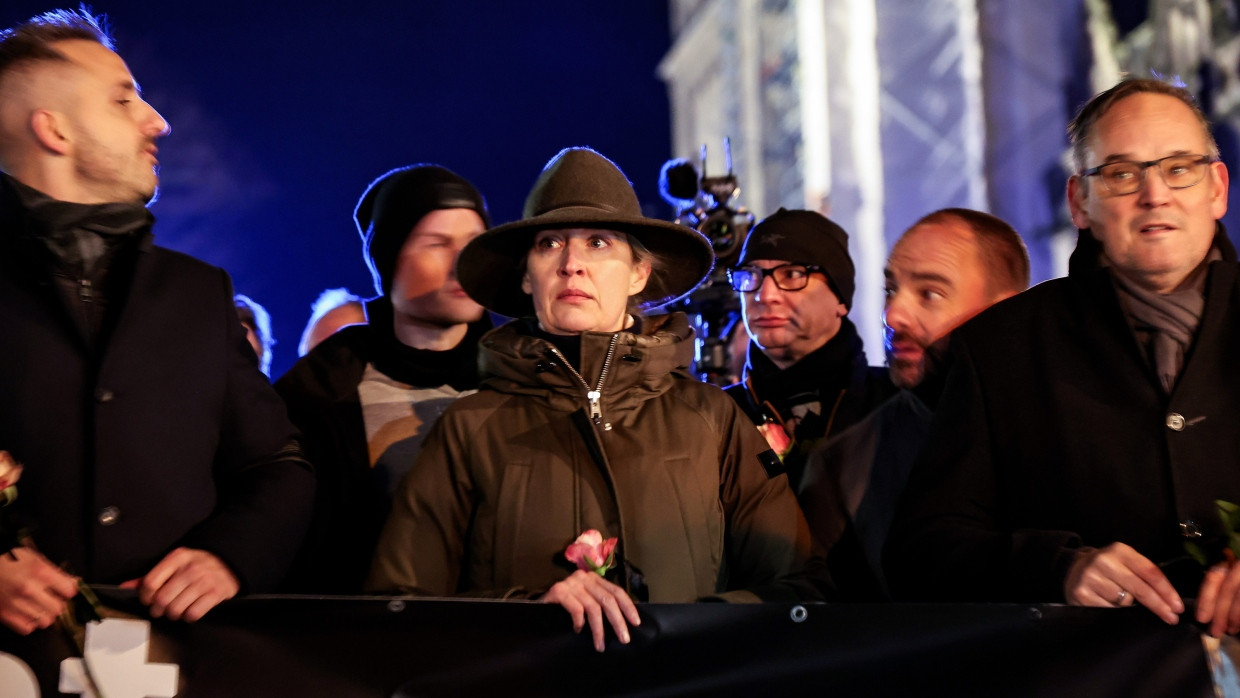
[{"x": 704, "y": 203}]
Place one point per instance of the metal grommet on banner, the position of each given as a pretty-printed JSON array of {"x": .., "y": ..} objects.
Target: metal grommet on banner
[
  {"x": 799, "y": 614},
  {"x": 396, "y": 605}
]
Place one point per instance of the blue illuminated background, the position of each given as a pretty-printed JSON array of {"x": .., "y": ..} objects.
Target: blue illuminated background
[{"x": 282, "y": 113}]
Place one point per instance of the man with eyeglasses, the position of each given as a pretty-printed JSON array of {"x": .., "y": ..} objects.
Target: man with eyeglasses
[
  {"x": 1089, "y": 424},
  {"x": 806, "y": 375}
]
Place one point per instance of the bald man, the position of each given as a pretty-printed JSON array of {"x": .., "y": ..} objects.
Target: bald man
[
  {"x": 156, "y": 455},
  {"x": 949, "y": 266}
]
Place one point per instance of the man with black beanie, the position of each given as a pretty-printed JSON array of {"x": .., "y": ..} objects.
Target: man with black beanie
[
  {"x": 806, "y": 376},
  {"x": 366, "y": 396}
]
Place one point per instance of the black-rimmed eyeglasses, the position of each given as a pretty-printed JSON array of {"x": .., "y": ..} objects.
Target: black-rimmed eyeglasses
[
  {"x": 1127, "y": 176},
  {"x": 787, "y": 277}
]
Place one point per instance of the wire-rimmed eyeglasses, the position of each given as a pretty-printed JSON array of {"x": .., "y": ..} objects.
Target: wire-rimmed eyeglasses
[
  {"x": 1127, "y": 176},
  {"x": 787, "y": 277}
]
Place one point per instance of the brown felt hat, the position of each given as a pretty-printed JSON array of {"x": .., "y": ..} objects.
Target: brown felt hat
[{"x": 580, "y": 188}]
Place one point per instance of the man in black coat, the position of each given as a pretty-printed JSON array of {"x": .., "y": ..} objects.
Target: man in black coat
[
  {"x": 156, "y": 456},
  {"x": 806, "y": 376},
  {"x": 1088, "y": 424},
  {"x": 366, "y": 396},
  {"x": 949, "y": 266}
]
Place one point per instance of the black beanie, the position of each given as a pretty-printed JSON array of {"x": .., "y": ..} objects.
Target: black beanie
[
  {"x": 804, "y": 237},
  {"x": 394, "y": 203}
]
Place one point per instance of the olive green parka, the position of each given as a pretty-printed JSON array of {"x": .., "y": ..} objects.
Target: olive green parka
[{"x": 510, "y": 476}]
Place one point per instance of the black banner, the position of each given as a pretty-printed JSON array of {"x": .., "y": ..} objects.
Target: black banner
[{"x": 380, "y": 646}]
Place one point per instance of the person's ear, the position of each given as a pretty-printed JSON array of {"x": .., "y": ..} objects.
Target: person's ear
[
  {"x": 1078, "y": 190},
  {"x": 49, "y": 129},
  {"x": 638, "y": 277},
  {"x": 1218, "y": 198}
]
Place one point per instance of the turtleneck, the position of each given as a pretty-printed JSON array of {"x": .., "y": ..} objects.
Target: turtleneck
[
  {"x": 569, "y": 344},
  {"x": 89, "y": 249},
  {"x": 457, "y": 367}
]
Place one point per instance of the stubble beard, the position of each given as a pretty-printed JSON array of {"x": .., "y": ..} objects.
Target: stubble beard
[
  {"x": 114, "y": 178},
  {"x": 904, "y": 373}
]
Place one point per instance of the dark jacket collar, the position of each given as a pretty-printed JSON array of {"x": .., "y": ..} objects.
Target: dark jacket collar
[
  {"x": 46, "y": 217},
  {"x": 646, "y": 359},
  {"x": 838, "y": 364},
  {"x": 88, "y": 252}
]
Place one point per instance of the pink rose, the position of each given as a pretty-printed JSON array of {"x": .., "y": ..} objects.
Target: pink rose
[
  {"x": 591, "y": 553},
  {"x": 10, "y": 472},
  {"x": 776, "y": 438}
]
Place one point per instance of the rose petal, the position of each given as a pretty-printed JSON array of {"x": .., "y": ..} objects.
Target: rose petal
[
  {"x": 775, "y": 437},
  {"x": 576, "y": 554},
  {"x": 590, "y": 537}
]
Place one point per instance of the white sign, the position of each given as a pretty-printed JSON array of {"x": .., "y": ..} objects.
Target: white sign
[{"x": 116, "y": 650}]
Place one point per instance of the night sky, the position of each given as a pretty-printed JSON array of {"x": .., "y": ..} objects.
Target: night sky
[{"x": 281, "y": 117}]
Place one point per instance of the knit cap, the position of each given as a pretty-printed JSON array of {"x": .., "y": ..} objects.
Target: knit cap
[
  {"x": 394, "y": 203},
  {"x": 804, "y": 237}
]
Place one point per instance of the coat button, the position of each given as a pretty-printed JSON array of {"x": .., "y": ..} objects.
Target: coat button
[
  {"x": 104, "y": 395},
  {"x": 109, "y": 516},
  {"x": 1175, "y": 421},
  {"x": 1190, "y": 529}
]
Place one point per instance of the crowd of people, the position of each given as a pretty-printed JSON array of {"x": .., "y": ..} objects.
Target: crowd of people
[{"x": 511, "y": 387}]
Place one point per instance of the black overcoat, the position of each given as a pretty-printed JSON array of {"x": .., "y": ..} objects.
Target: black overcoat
[
  {"x": 169, "y": 436},
  {"x": 1053, "y": 433}
]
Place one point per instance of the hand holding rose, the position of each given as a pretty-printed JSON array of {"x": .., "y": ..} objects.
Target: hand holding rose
[
  {"x": 33, "y": 591},
  {"x": 586, "y": 595}
]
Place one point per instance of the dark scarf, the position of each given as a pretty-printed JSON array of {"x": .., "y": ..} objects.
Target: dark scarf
[
  {"x": 1165, "y": 323},
  {"x": 818, "y": 376},
  {"x": 422, "y": 368},
  {"x": 90, "y": 250}
]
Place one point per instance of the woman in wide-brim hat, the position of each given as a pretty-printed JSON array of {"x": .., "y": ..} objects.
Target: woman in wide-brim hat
[{"x": 588, "y": 420}]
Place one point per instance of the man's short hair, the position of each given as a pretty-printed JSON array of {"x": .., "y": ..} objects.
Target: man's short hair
[
  {"x": 1081, "y": 127},
  {"x": 1002, "y": 251},
  {"x": 254, "y": 316},
  {"x": 31, "y": 41},
  {"x": 328, "y": 300}
]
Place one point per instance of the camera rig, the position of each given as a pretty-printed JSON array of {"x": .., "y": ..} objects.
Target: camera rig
[{"x": 705, "y": 204}]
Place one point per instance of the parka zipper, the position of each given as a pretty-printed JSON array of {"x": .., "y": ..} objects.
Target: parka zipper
[{"x": 594, "y": 396}]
